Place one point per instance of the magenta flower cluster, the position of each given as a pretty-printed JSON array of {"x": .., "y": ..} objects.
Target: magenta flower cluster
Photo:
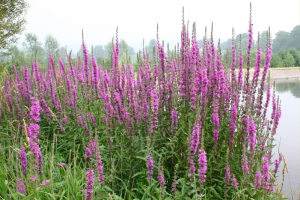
[
  {"x": 150, "y": 166},
  {"x": 90, "y": 184}
]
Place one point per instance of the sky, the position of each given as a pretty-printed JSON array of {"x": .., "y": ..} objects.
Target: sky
[{"x": 137, "y": 19}]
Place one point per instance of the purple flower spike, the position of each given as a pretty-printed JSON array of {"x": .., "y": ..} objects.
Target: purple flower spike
[
  {"x": 21, "y": 187},
  {"x": 257, "y": 182},
  {"x": 202, "y": 161},
  {"x": 234, "y": 182},
  {"x": 150, "y": 166},
  {"x": 23, "y": 161},
  {"x": 89, "y": 186},
  {"x": 35, "y": 110}
]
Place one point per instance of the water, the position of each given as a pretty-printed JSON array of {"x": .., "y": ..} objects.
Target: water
[{"x": 288, "y": 135}]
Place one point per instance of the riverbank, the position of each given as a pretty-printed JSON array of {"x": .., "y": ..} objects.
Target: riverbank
[{"x": 282, "y": 74}]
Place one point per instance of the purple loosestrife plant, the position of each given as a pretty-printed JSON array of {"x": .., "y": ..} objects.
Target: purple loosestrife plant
[
  {"x": 33, "y": 178},
  {"x": 21, "y": 187},
  {"x": 174, "y": 186},
  {"x": 23, "y": 161},
  {"x": 233, "y": 63},
  {"x": 86, "y": 61},
  {"x": 257, "y": 66},
  {"x": 234, "y": 182},
  {"x": 158, "y": 97},
  {"x": 194, "y": 143},
  {"x": 277, "y": 163},
  {"x": 252, "y": 135},
  {"x": 161, "y": 181},
  {"x": 90, "y": 183},
  {"x": 26, "y": 84},
  {"x": 227, "y": 175},
  {"x": 249, "y": 46},
  {"x": 88, "y": 154},
  {"x": 174, "y": 117},
  {"x": 216, "y": 122},
  {"x": 99, "y": 164},
  {"x": 266, "y": 176},
  {"x": 33, "y": 133},
  {"x": 241, "y": 65},
  {"x": 150, "y": 166},
  {"x": 257, "y": 182},
  {"x": 245, "y": 166},
  {"x": 232, "y": 121},
  {"x": 93, "y": 119},
  {"x": 202, "y": 162},
  {"x": 154, "y": 107}
]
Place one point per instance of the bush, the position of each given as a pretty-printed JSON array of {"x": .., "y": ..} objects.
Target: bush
[{"x": 289, "y": 60}]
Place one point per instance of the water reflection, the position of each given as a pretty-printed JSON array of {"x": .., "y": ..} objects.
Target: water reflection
[
  {"x": 294, "y": 87},
  {"x": 288, "y": 133}
]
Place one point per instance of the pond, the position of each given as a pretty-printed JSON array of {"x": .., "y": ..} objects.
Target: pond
[{"x": 288, "y": 135}]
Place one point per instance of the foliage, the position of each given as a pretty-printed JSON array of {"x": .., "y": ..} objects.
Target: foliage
[
  {"x": 276, "y": 61},
  {"x": 289, "y": 60},
  {"x": 294, "y": 40},
  {"x": 51, "y": 44},
  {"x": 285, "y": 40},
  {"x": 152, "y": 46},
  {"x": 12, "y": 17},
  {"x": 281, "y": 41},
  {"x": 99, "y": 51},
  {"x": 286, "y": 58}
]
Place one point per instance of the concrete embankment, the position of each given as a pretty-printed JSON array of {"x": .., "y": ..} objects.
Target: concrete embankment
[{"x": 282, "y": 74}]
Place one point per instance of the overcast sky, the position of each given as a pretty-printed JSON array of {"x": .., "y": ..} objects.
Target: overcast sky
[{"x": 137, "y": 20}]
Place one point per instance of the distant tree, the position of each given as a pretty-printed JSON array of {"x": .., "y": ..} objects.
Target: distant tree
[
  {"x": 31, "y": 42},
  {"x": 108, "y": 50},
  {"x": 226, "y": 45},
  {"x": 294, "y": 40},
  {"x": 200, "y": 42},
  {"x": 62, "y": 54},
  {"x": 98, "y": 51},
  {"x": 12, "y": 18},
  {"x": 151, "y": 45},
  {"x": 130, "y": 50},
  {"x": 281, "y": 41},
  {"x": 276, "y": 61},
  {"x": 18, "y": 56},
  {"x": 51, "y": 45},
  {"x": 123, "y": 50},
  {"x": 263, "y": 40},
  {"x": 289, "y": 60},
  {"x": 14, "y": 56},
  {"x": 296, "y": 55},
  {"x": 295, "y": 89},
  {"x": 244, "y": 41},
  {"x": 32, "y": 46}
]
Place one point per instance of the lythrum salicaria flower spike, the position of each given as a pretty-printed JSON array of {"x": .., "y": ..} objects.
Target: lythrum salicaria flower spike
[{"x": 150, "y": 166}]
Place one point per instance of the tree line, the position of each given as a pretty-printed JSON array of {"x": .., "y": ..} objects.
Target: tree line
[
  {"x": 33, "y": 49},
  {"x": 285, "y": 47}
]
